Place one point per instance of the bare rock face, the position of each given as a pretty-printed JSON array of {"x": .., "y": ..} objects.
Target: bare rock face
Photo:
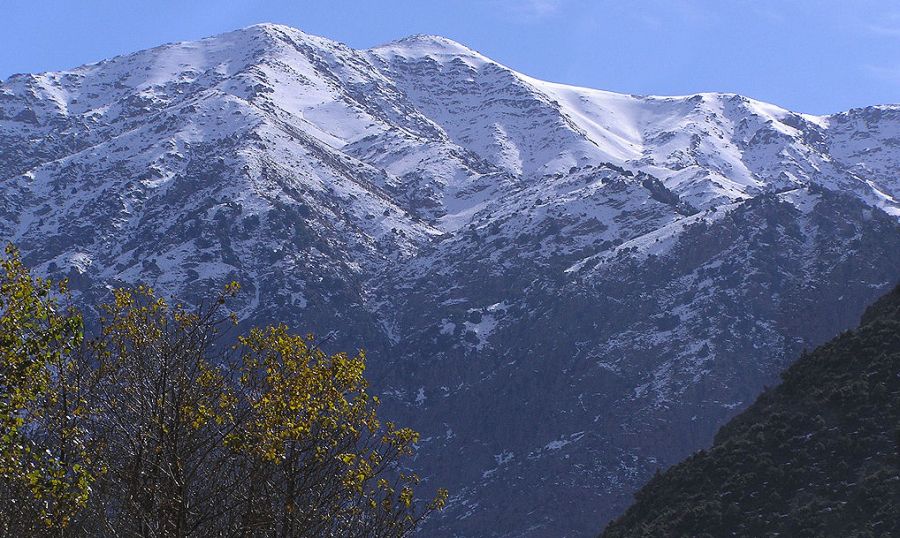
[{"x": 564, "y": 289}]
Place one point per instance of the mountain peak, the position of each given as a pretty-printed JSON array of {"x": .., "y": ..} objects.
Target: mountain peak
[
  {"x": 269, "y": 27},
  {"x": 280, "y": 32},
  {"x": 422, "y": 45}
]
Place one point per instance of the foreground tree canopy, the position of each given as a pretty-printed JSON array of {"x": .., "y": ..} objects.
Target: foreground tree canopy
[{"x": 157, "y": 427}]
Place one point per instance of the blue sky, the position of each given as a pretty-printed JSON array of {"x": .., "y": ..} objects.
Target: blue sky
[{"x": 816, "y": 56}]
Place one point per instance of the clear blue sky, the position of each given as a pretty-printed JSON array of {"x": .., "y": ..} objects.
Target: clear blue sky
[{"x": 816, "y": 56}]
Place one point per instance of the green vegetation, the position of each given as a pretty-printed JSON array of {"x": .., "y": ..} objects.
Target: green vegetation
[
  {"x": 156, "y": 427},
  {"x": 43, "y": 477},
  {"x": 819, "y": 455}
]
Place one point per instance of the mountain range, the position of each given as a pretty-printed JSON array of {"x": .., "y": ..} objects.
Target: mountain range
[{"x": 563, "y": 289}]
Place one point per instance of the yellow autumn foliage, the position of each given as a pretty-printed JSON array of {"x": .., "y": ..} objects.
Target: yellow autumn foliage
[{"x": 158, "y": 426}]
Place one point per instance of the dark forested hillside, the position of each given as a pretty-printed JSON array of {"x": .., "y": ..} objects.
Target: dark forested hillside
[{"x": 818, "y": 455}]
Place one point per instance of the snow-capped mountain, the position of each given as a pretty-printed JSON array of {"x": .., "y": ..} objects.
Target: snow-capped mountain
[{"x": 563, "y": 289}]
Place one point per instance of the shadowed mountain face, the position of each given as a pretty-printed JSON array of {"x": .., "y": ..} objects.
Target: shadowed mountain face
[
  {"x": 817, "y": 456},
  {"x": 563, "y": 289}
]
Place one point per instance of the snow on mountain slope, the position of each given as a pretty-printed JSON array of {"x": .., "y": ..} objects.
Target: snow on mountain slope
[
  {"x": 483, "y": 106},
  {"x": 562, "y": 288},
  {"x": 710, "y": 148},
  {"x": 865, "y": 142}
]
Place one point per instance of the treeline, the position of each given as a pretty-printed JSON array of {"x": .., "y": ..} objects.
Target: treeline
[{"x": 155, "y": 426}]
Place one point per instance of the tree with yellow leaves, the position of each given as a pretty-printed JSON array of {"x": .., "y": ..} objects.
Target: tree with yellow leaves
[
  {"x": 162, "y": 403},
  {"x": 325, "y": 465},
  {"x": 158, "y": 427},
  {"x": 44, "y": 466}
]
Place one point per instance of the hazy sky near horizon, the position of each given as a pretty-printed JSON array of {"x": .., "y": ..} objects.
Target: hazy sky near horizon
[{"x": 816, "y": 56}]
